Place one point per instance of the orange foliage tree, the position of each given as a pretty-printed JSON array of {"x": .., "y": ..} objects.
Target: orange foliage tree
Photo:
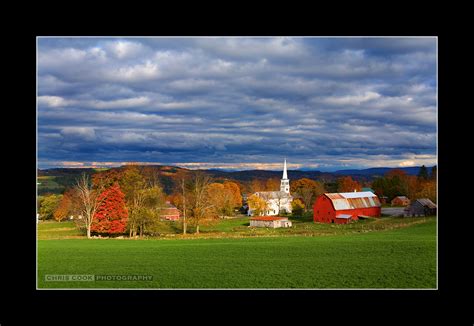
[
  {"x": 224, "y": 197},
  {"x": 307, "y": 190},
  {"x": 256, "y": 185},
  {"x": 64, "y": 207},
  {"x": 397, "y": 183},
  {"x": 272, "y": 184},
  {"x": 347, "y": 184},
  {"x": 234, "y": 189},
  {"x": 107, "y": 178}
]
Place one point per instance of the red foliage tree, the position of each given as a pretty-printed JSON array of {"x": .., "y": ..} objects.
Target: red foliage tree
[{"x": 111, "y": 216}]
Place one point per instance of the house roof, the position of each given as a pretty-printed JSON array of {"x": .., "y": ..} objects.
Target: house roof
[
  {"x": 352, "y": 200},
  {"x": 168, "y": 205},
  {"x": 268, "y": 218},
  {"x": 401, "y": 197},
  {"x": 272, "y": 194}
]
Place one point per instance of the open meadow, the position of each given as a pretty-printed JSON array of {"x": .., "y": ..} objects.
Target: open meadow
[{"x": 375, "y": 253}]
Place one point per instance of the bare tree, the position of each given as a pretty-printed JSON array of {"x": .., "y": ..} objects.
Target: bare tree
[
  {"x": 201, "y": 205},
  {"x": 184, "y": 208},
  {"x": 308, "y": 195},
  {"x": 89, "y": 201}
]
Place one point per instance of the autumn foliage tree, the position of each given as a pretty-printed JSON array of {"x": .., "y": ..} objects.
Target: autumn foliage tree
[
  {"x": 64, "y": 207},
  {"x": 224, "y": 198},
  {"x": 143, "y": 198},
  {"x": 398, "y": 183},
  {"x": 272, "y": 184},
  {"x": 297, "y": 207},
  {"x": 107, "y": 178},
  {"x": 111, "y": 215},
  {"x": 234, "y": 189},
  {"x": 220, "y": 199},
  {"x": 147, "y": 209},
  {"x": 307, "y": 190},
  {"x": 256, "y": 185},
  {"x": 48, "y": 205},
  {"x": 258, "y": 205},
  {"x": 347, "y": 184}
]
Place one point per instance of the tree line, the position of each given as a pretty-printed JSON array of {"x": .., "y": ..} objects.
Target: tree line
[
  {"x": 398, "y": 183},
  {"x": 129, "y": 200}
]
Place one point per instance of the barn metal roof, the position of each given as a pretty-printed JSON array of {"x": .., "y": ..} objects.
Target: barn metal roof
[
  {"x": 426, "y": 202},
  {"x": 352, "y": 200},
  {"x": 357, "y": 194}
]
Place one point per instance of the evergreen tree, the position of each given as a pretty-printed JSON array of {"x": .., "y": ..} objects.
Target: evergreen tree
[
  {"x": 423, "y": 174},
  {"x": 433, "y": 173}
]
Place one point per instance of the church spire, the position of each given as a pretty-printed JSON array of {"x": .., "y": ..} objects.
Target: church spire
[
  {"x": 285, "y": 183},
  {"x": 285, "y": 175}
]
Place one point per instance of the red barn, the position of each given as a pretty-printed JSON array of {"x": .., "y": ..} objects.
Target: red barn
[
  {"x": 341, "y": 208},
  {"x": 400, "y": 201},
  {"x": 169, "y": 212}
]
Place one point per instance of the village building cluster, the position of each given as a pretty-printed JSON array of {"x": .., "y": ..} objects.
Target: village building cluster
[
  {"x": 338, "y": 208},
  {"x": 277, "y": 201}
]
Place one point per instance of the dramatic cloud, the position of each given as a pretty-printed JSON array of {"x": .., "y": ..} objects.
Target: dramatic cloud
[{"x": 237, "y": 103}]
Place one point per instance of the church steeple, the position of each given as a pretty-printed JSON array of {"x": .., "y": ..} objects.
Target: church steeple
[{"x": 285, "y": 182}]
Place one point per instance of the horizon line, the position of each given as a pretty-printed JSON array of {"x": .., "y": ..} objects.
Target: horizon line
[{"x": 221, "y": 166}]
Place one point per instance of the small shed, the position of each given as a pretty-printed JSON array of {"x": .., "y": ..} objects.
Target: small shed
[
  {"x": 343, "y": 218},
  {"x": 421, "y": 207},
  {"x": 270, "y": 222},
  {"x": 400, "y": 201},
  {"x": 169, "y": 212}
]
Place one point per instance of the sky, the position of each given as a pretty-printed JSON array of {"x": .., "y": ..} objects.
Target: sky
[{"x": 237, "y": 103}]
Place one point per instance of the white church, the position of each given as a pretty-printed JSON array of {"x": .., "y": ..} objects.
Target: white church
[{"x": 277, "y": 201}]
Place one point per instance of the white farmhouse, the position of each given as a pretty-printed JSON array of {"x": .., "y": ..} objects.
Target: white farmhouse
[{"x": 277, "y": 201}]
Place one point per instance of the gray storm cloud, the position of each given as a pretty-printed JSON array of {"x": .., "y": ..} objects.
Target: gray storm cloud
[{"x": 320, "y": 102}]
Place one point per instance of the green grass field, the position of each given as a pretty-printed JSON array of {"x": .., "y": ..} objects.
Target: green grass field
[{"x": 401, "y": 254}]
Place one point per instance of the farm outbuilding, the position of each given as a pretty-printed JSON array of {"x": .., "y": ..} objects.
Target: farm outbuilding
[
  {"x": 421, "y": 207},
  {"x": 400, "y": 201},
  {"x": 270, "y": 222},
  {"x": 383, "y": 199},
  {"x": 169, "y": 212},
  {"x": 344, "y": 207}
]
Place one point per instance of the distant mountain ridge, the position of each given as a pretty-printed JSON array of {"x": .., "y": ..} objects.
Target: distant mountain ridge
[
  {"x": 412, "y": 170},
  {"x": 56, "y": 180}
]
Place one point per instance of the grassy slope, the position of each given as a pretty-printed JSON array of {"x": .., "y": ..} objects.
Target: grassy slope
[
  {"x": 397, "y": 258},
  {"x": 48, "y": 230}
]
